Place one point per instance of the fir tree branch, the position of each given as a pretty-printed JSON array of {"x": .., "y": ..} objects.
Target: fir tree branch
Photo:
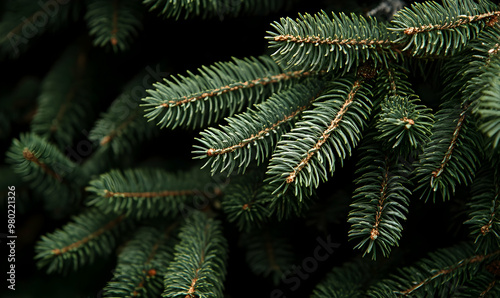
[
  {"x": 148, "y": 192},
  {"x": 447, "y": 156},
  {"x": 477, "y": 70},
  {"x": 484, "y": 208},
  {"x": 199, "y": 267},
  {"x": 317, "y": 140},
  {"x": 91, "y": 234},
  {"x": 77, "y": 244},
  {"x": 28, "y": 155},
  {"x": 65, "y": 99},
  {"x": 326, "y": 133},
  {"x": 451, "y": 157},
  {"x": 114, "y": 22},
  {"x": 246, "y": 200},
  {"x": 491, "y": 19},
  {"x": 123, "y": 124},
  {"x": 224, "y": 88},
  {"x": 429, "y": 28},
  {"x": 47, "y": 170},
  {"x": 381, "y": 199},
  {"x": 145, "y": 282},
  {"x": 319, "y": 42},
  {"x": 403, "y": 125},
  {"x": 117, "y": 131},
  {"x": 143, "y": 262},
  {"x": 324, "y": 136},
  {"x": 488, "y": 107},
  {"x": 307, "y": 113},
  {"x": 482, "y": 284},
  {"x": 488, "y": 289},
  {"x": 441, "y": 274},
  {"x": 448, "y": 270},
  {"x": 236, "y": 86}
]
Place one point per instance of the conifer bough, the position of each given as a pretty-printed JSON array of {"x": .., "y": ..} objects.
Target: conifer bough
[{"x": 333, "y": 82}]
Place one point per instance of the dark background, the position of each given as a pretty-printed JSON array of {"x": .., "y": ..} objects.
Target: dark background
[{"x": 186, "y": 45}]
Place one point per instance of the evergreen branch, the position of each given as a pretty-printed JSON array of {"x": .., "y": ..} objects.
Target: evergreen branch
[
  {"x": 46, "y": 169},
  {"x": 488, "y": 105},
  {"x": 463, "y": 72},
  {"x": 253, "y": 134},
  {"x": 149, "y": 286},
  {"x": 268, "y": 253},
  {"x": 29, "y": 156},
  {"x": 484, "y": 208},
  {"x": 478, "y": 83},
  {"x": 381, "y": 200},
  {"x": 115, "y": 132},
  {"x": 211, "y": 8},
  {"x": 429, "y": 28},
  {"x": 149, "y": 194},
  {"x": 452, "y": 145},
  {"x": 114, "y": 22},
  {"x": 448, "y": 270},
  {"x": 199, "y": 267},
  {"x": 404, "y": 125},
  {"x": 451, "y": 157},
  {"x": 91, "y": 234},
  {"x": 325, "y": 135},
  {"x": 221, "y": 89},
  {"x": 318, "y": 42},
  {"x": 65, "y": 99},
  {"x": 491, "y": 286},
  {"x": 308, "y": 152},
  {"x": 453, "y": 142},
  {"x": 90, "y": 237},
  {"x": 449, "y": 266},
  {"x": 123, "y": 124},
  {"x": 144, "y": 193},
  {"x": 246, "y": 201},
  {"x": 143, "y": 262},
  {"x": 484, "y": 284},
  {"x": 462, "y": 20},
  {"x": 241, "y": 85}
]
